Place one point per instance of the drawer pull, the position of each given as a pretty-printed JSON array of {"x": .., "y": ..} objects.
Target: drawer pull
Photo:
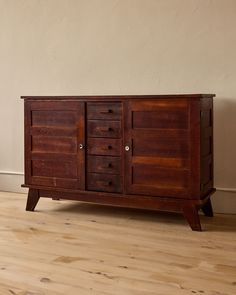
[
  {"x": 105, "y": 129},
  {"x": 81, "y": 146},
  {"x": 105, "y": 183},
  {"x": 109, "y": 147},
  {"x": 108, "y": 166},
  {"x": 109, "y": 111}
]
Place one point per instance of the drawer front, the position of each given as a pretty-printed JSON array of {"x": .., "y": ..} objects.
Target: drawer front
[
  {"x": 100, "y": 128},
  {"x": 104, "y": 182},
  {"x": 107, "y": 111},
  {"x": 104, "y": 146},
  {"x": 100, "y": 164}
]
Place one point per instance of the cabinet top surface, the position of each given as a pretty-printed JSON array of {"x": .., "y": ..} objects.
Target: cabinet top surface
[{"x": 119, "y": 97}]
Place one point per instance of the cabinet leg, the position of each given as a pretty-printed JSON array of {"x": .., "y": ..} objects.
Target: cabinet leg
[
  {"x": 207, "y": 208},
  {"x": 191, "y": 215},
  {"x": 33, "y": 198}
]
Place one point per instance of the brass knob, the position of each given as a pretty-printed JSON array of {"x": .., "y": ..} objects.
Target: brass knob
[
  {"x": 81, "y": 146},
  {"x": 127, "y": 148}
]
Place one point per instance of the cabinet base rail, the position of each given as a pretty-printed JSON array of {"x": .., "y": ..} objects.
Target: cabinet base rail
[{"x": 189, "y": 208}]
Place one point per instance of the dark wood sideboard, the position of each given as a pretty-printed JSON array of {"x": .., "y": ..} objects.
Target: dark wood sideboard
[{"x": 146, "y": 151}]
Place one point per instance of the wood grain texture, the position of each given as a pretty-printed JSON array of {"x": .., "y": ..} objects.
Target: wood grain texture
[
  {"x": 152, "y": 139},
  {"x": 33, "y": 198},
  {"x": 75, "y": 248},
  {"x": 104, "y": 182},
  {"x": 206, "y": 145},
  {"x": 188, "y": 96},
  {"x": 104, "y": 128},
  {"x": 53, "y": 132},
  {"x": 104, "y": 110},
  {"x": 104, "y": 146},
  {"x": 104, "y": 164},
  {"x": 153, "y": 152}
]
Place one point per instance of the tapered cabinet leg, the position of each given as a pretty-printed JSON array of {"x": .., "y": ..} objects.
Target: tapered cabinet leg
[
  {"x": 191, "y": 215},
  {"x": 33, "y": 198},
  {"x": 207, "y": 208}
]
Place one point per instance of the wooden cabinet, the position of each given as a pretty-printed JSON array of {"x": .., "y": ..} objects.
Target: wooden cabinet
[{"x": 153, "y": 152}]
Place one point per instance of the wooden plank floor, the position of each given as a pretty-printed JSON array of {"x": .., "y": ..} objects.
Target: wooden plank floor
[{"x": 73, "y": 248}]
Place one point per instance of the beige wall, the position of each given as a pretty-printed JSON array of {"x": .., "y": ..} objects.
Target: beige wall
[{"x": 118, "y": 47}]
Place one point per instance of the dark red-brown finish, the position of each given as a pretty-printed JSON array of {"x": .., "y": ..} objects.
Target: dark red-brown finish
[
  {"x": 104, "y": 182},
  {"x": 153, "y": 152},
  {"x": 104, "y": 146},
  {"x": 104, "y": 128},
  {"x": 101, "y": 164},
  {"x": 104, "y": 110}
]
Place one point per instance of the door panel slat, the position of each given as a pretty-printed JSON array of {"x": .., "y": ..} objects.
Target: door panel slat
[
  {"x": 158, "y": 162},
  {"x": 53, "y": 158}
]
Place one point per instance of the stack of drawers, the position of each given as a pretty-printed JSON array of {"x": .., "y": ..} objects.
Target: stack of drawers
[{"x": 104, "y": 133}]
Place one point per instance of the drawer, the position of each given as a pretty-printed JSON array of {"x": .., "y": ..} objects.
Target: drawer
[
  {"x": 104, "y": 182},
  {"x": 100, "y": 164},
  {"x": 100, "y": 128},
  {"x": 107, "y": 111},
  {"x": 104, "y": 146}
]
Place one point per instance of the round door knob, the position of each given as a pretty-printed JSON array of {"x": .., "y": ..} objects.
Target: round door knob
[
  {"x": 127, "y": 148},
  {"x": 81, "y": 146}
]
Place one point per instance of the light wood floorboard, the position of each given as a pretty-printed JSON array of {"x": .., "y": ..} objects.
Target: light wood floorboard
[{"x": 73, "y": 248}]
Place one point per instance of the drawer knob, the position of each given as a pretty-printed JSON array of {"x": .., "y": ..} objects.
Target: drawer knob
[
  {"x": 109, "y": 111},
  {"x": 109, "y": 147},
  {"x": 104, "y": 183},
  {"x": 81, "y": 146},
  {"x": 127, "y": 148},
  {"x": 105, "y": 129},
  {"x": 109, "y": 165}
]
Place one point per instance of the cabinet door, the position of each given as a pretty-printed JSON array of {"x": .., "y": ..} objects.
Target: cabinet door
[
  {"x": 157, "y": 151},
  {"x": 53, "y": 132}
]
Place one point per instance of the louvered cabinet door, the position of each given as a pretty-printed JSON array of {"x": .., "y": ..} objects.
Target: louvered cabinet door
[
  {"x": 157, "y": 148},
  {"x": 54, "y": 131}
]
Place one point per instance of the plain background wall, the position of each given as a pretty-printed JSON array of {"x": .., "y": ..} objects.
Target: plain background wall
[{"x": 76, "y": 47}]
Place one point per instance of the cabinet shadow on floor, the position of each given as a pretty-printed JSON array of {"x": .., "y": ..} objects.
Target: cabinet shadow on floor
[{"x": 219, "y": 223}]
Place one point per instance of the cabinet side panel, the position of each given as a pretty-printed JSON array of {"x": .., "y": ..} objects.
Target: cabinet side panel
[
  {"x": 206, "y": 145},
  {"x": 27, "y": 140},
  {"x": 194, "y": 142}
]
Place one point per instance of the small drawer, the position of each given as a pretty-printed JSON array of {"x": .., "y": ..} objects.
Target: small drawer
[
  {"x": 99, "y": 128},
  {"x": 100, "y": 164},
  {"x": 104, "y": 146},
  {"x": 107, "y": 111},
  {"x": 104, "y": 182}
]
